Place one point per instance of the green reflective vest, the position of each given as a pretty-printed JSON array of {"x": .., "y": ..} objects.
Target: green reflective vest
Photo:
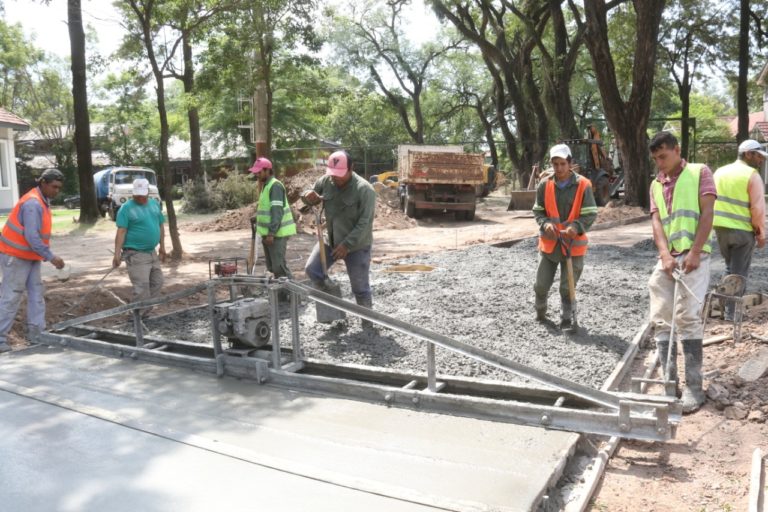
[
  {"x": 264, "y": 217},
  {"x": 732, "y": 204},
  {"x": 681, "y": 223}
]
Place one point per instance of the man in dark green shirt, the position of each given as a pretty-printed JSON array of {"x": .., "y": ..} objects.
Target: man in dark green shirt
[{"x": 350, "y": 203}]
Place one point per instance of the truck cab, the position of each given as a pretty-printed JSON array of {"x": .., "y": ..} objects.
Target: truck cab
[{"x": 114, "y": 187}]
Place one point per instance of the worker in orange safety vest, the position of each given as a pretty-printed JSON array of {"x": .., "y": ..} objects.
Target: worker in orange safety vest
[
  {"x": 24, "y": 245},
  {"x": 564, "y": 210}
]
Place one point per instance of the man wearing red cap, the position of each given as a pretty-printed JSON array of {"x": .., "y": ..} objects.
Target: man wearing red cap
[
  {"x": 274, "y": 221},
  {"x": 350, "y": 203}
]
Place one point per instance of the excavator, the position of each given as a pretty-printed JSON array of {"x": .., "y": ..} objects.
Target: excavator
[{"x": 591, "y": 160}]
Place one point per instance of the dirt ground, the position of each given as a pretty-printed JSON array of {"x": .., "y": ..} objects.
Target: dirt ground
[{"x": 707, "y": 466}]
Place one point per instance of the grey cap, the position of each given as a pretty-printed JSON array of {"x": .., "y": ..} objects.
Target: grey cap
[{"x": 50, "y": 175}]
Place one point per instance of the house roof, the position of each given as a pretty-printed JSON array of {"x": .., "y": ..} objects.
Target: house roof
[
  {"x": 11, "y": 120},
  {"x": 754, "y": 118}
]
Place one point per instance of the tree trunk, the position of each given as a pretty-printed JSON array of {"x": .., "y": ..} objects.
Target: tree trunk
[
  {"x": 145, "y": 18},
  {"x": 89, "y": 211},
  {"x": 628, "y": 120},
  {"x": 685, "y": 124},
  {"x": 195, "y": 166},
  {"x": 741, "y": 91}
]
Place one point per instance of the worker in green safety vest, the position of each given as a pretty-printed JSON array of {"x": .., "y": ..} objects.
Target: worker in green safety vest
[
  {"x": 274, "y": 220},
  {"x": 682, "y": 207},
  {"x": 740, "y": 210}
]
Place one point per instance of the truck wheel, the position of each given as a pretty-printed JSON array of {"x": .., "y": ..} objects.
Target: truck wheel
[
  {"x": 410, "y": 208},
  {"x": 469, "y": 214}
]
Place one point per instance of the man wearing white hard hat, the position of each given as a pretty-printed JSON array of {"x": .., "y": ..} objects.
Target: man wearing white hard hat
[
  {"x": 350, "y": 203},
  {"x": 140, "y": 228},
  {"x": 740, "y": 210},
  {"x": 564, "y": 210},
  {"x": 274, "y": 220}
]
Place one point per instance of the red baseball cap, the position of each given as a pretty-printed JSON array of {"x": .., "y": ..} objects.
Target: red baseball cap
[{"x": 259, "y": 164}]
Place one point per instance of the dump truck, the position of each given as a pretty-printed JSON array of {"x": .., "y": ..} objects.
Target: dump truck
[
  {"x": 114, "y": 186},
  {"x": 438, "y": 178}
]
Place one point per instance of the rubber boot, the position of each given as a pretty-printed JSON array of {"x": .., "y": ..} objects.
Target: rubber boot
[
  {"x": 366, "y": 302},
  {"x": 541, "y": 309},
  {"x": 662, "y": 346},
  {"x": 693, "y": 394},
  {"x": 566, "y": 315}
]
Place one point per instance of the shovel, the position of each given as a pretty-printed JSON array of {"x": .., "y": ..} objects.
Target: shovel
[
  {"x": 571, "y": 282},
  {"x": 326, "y": 314}
]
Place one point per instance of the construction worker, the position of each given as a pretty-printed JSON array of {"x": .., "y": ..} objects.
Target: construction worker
[
  {"x": 24, "y": 244},
  {"x": 564, "y": 210},
  {"x": 740, "y": 211},
  {"x": 350, "y": 203},
  {"x": 682, "y": 207},
  {"x": 274, "y": 220},
  {"x": 140, "y": 228}
]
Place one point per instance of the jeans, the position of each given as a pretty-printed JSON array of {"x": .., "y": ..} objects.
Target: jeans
[
  {"x": 358, "y": 269},
  {"x": 20, "y": 275}
]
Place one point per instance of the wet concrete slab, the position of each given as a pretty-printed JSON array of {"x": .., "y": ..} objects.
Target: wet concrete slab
[{"x": 85, "y": 432}]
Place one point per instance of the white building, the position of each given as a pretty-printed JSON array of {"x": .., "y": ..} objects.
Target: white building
[{"x": 9, "y": 186}]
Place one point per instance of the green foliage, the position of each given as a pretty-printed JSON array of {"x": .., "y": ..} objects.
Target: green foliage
[{"x": 235, "y": 191}]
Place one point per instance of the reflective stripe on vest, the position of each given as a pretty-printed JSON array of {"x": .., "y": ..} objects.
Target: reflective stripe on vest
[
  {"x": 578, "y": 244},
  {"x": 732, "y": 204},
  {"x": 264, "y": 216},
  {"x": 12, "y": 241},
  {"x": 681, "y": 224}
]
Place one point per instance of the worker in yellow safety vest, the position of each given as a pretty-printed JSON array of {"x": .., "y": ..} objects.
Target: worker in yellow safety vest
[
  {"x": 682, "y": 205},
  {"x": 274, "y": 220},
  {"x": 740, "y": 210}
]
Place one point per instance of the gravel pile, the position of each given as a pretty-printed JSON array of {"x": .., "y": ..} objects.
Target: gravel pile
[{"x": 483, "y": 296}]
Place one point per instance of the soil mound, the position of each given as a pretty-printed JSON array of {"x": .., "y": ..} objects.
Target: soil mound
[{"x": 387, "y": 215}]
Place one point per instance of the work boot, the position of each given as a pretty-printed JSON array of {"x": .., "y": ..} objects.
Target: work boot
[
  {"x": 366, "y": 302},
  {"x": 693, "y": 394},
  {"x": 662, "y": 346},
  {"x": 541, "y": 309},
  {"x": 4, "y": 347},
  {"x": 33, "y": 331}
]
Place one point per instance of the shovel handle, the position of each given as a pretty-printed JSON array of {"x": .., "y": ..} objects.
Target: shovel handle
[{"x": 321, "y": 241}]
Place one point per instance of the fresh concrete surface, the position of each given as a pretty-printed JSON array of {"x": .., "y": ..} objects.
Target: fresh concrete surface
[{"x": 83, "y": 432}]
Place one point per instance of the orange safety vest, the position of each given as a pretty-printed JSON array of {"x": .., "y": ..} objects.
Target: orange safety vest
[
  {"x": 578, "y": 244},
  {"x": 12, "y": 241}
]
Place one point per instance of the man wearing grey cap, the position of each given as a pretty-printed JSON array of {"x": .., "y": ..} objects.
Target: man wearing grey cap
[
  {"x": 564, "y": 210},
  {"x": 740, "y": 210},
  {"x": 24, "y": 245},
  {"x": 139, "y": 231}
]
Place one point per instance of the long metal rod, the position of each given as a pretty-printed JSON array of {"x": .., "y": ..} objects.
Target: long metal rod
[
  {"x": 275, "y": 338},
  {"x": 431, "y": 369},
  {"x": 129, "y": 307},
  {"x": 598, "y": 397},
  {"x": 295, "y": 340}
]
